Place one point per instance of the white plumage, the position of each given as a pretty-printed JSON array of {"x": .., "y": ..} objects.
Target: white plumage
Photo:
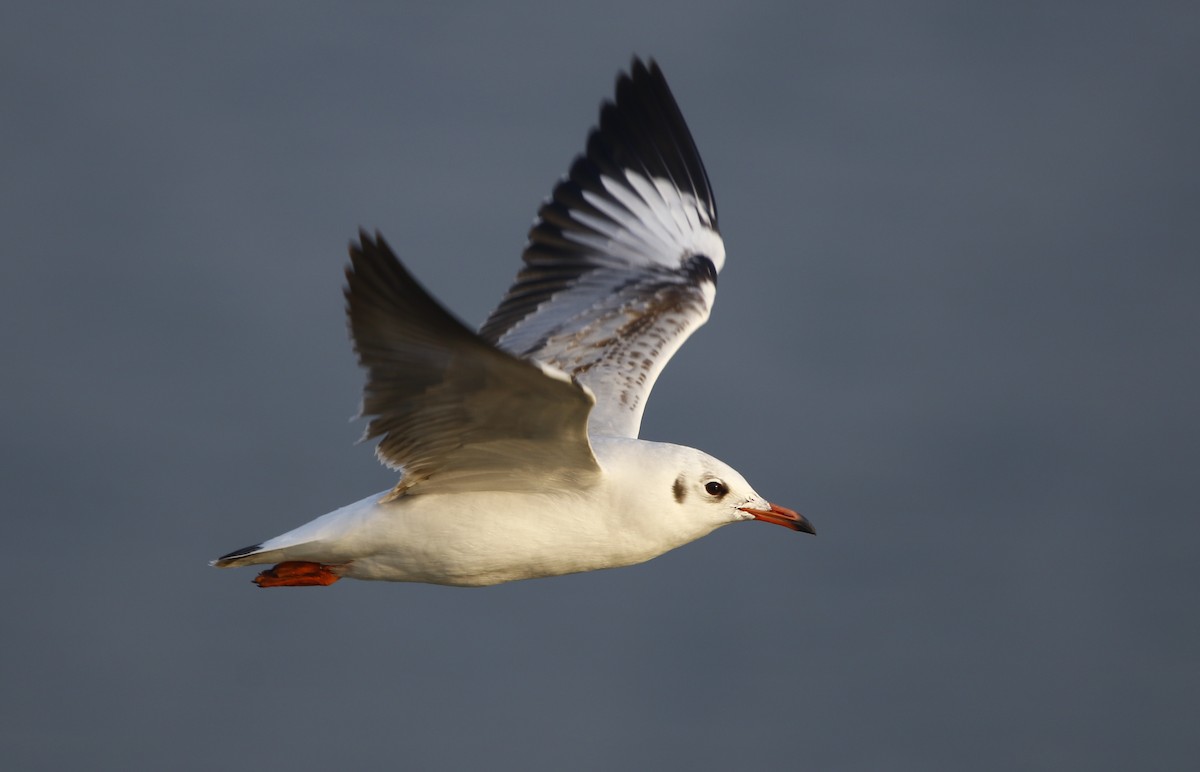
[{"x": 518, "y": 444}]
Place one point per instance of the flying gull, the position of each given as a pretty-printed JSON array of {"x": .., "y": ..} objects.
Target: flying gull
[{"x": 518, "y": 444}]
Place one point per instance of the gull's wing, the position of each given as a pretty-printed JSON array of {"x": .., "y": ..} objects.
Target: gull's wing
[
  {"x": 621, "y": 265},
  {"x": 455, "y": 412}
]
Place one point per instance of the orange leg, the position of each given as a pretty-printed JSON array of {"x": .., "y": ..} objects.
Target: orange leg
[{"x": 297, "y": 573}]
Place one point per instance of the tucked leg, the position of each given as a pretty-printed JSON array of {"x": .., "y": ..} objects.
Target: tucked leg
[{"x": 297, "y": 573}]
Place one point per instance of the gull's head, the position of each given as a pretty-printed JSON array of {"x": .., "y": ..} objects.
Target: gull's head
[{"x": 716, "y": 492}]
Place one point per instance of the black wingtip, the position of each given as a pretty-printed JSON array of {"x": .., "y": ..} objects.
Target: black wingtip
[
  {"x": 367, "y": 242},
  {"x": 645, "y": 104},
  {"x": 643, "y": 68},
  {"x": 641, "y": 131},
  {"x": 243, "y": 552}
]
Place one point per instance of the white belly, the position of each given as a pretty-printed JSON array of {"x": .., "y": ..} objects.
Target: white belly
[{"x": 474, "y": 539}]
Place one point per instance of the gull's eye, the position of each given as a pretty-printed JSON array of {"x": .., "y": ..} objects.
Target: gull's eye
[{"x": 716, "y": 488}]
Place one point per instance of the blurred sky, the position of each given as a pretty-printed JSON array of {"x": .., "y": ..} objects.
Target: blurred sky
[{"x": 957, "y": 329}]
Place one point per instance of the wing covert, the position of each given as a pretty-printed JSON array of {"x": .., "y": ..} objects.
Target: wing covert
[
  {"x": 451, "y": 409},
  {"x": 621, "y": 264}
]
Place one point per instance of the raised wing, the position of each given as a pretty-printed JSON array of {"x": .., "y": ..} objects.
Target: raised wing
[
  {"x": 455, "y": 412},
  {"x": 621, "y": 265}
]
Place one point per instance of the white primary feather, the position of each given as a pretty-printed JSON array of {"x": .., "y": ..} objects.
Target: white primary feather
[{"x": 518, "y": 443}]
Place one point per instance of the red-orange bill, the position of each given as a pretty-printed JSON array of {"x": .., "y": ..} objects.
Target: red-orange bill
[{"x": 782, "y": 516}]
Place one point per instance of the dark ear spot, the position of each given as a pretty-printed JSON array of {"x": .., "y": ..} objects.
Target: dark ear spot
[{"x": 679, "y": 490}]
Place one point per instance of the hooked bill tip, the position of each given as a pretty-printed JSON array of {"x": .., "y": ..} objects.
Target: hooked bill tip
[{"x": 782, "y": 516}]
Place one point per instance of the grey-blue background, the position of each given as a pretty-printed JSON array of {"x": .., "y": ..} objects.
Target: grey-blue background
[{"x": 957, "y": 329}]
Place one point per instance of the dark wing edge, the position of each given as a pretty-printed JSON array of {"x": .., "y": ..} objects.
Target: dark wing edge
[
  {"x": 642, "y": 137},
  {"x": 450, "y": 408},
  {"x": 622, "y": 261}
]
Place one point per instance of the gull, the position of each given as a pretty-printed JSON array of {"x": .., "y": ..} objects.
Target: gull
[{"x": 518, "y": 444}]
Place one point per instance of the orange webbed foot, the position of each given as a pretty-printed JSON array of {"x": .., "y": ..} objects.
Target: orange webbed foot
[{"x": 297, "y": 573}]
